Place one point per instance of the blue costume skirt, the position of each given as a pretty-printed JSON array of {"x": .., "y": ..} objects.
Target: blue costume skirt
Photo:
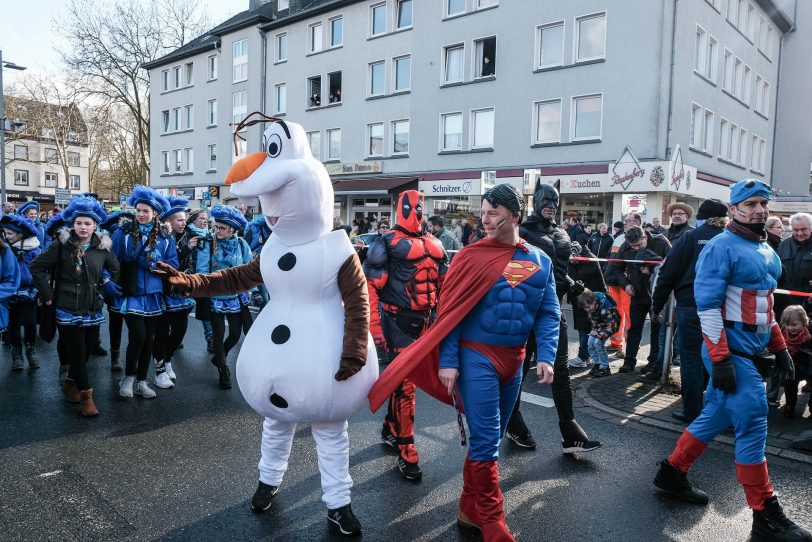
[
  {"x": 65, "y": 318},
  {"x": 230, "y": 305},
  {"x": 178, "y": 304},
  {"x": 142, "y": 305}
]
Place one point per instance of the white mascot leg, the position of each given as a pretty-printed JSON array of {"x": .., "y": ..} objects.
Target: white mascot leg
[
  {"x": 333, "y": 448},
  {"x": 277, "y": 439}
]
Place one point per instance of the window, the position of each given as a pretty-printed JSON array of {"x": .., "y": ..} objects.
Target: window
[
  {"x": 189, "y": 73},
  {"x": 454, "y": 68},
  {"x": 588, "y": 117},
  {"x": 699, "y": 49},
  {"x": 21, "y": 152},
  {"x": 768, "y": 43},
  {"x": 486, "y": 3},
  {"x": 551, "y": 45},
  {"x": 73, "y": 159},
  {"x": 747, "y": 83},
  {"x": 74, "y": 182},
  {"x": 734, "y": 143},
  {"x": 165, "y": 161},
  {"x": 377, "y": 81},
  {"x": 724, "y": 139},
  {"x": 336, "y": 31},
  {"x": 485, "y": 57},
  {"x": 281, "y": 47},
  {"x": 334, "y": 144},
  {"x": 51, "y": 180},
  {"x": 240, "y": 68},
  {"x": 548, "y": 121},
  {"x": 188, "y": 158},
  {"x": 51, "y": 157},
  {"x": 176, "y": 158},
  {"x": 765, "y": 99},
  {"x": 403, "y": 73},
  {"x": 212, "y": 112},
  {"x": 727, "y": 84},
  {"x": 375, "y": 139},
  {"x": 404, "y": 14},
  {"x": 451, "y": 125},
  {"x": 212, "y": 68},
  {"x": 454, "y": 7},
  {"x": 282, "y": 4},
  {"x": 211, "y": 158},
  {"x": 280, "y": 98},
  {"x": 176, "y": 76},
  {"x": 20, "y": 177},
  {"x": 377, "y": 19},
  {"x": 176, "y": 118},
  {"x": 165, "y": 80},
  {"x": 482, "y": 129},
  {"x": 47, "y": 133},
  {"x": 334, "y": 82},
  {"x": 400, "y": 137},
  {"x": 189, "y": 115},
  {"x": 759, "y": 93},
  {"x": 590, "y": 37},
  {"x": 711, "y": 58},
  {"x": 314, "y": 140},
  {"x": 164, "y": 121},
  {"x": 239, "y": 106},
  {"x": 314, "y": 91},
  {"x": 242, "y": 150},
  {"x": 314, "y": 39},
  {"x": 707, "y": 131},
  {"x": 696, "y": 125},
  {"x": 763, "y": 155},
  {"x": 755, "y": 154},
  {"x": 751, "y": 24},
  {"x": 733, "y": 11},
  {"x": 741, "y": 157}
]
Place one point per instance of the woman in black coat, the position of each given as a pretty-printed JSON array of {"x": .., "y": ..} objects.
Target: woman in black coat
[{"x": 588, "y": 273}]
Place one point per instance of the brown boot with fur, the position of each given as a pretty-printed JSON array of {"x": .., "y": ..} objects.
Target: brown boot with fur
[
  {"x": 71, "y": 391},
  {"x": 88, "y": 407}
]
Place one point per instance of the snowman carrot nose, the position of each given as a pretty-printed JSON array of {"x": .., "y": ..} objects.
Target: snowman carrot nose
[{"x": 243, "y": 168}]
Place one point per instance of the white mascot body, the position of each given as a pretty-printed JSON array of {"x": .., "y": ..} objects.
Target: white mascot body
[{"x": 288, "y": 361}]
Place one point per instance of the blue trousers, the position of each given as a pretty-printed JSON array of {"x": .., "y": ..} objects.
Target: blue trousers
[
  {"x": 692, "y": 372},
  {"x": 597, "y": 349},
  {"x": 746, "y": 410},
  {"x": 488, "y": 403}
]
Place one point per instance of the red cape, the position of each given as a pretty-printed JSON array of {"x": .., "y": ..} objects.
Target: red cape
[{"x": 474, "y": 270}]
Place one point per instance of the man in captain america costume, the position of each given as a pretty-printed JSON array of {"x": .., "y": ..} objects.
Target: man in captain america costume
[
  {"x": 541, "y": 231},
  {"x": 497, "y": 291},
  {"x": 736, "y": 274},
  {"x": 404, "y": 269}
]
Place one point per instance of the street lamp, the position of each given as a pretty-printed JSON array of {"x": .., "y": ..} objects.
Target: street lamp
[{"x": 11, "y": 66}]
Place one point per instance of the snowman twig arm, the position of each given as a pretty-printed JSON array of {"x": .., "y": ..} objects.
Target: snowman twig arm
[{"x": 353, "y": 287}]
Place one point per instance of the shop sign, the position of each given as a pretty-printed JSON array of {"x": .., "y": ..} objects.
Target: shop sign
[
  {"x": 188, "y": 193},
  {"x": 458, "y": 187},
  {"x": 352, "y": 168},
  {"x": 579, "y": 184},
  {"x": 626, "y": 170},
  {"x": 678, "y": 173}
]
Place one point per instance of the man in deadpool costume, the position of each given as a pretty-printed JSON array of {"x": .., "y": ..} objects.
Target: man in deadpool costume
[
  {"x": 540, "y": 230},
  {"x": 404, "y": 270}
]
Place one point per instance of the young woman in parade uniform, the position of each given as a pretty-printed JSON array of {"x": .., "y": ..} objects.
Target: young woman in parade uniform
[
  {"x": 115, "y": 324},
  {"x": 198, "y": 239}
]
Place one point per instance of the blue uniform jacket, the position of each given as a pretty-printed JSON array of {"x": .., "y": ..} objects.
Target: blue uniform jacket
[
  {"x": 125, "y": 251},
  {"x": 9, "y": 282}
]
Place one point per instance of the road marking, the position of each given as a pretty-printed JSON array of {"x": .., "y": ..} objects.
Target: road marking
[
  {"x": 47, "y": 474},
  {"x": 537, "y": 400}
]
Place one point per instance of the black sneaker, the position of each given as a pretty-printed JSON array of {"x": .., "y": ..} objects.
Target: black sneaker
[
  {"x": 576, "y": 446},
  {"x": 771, "y": 524},
  {"x": 345, "y": 520},
  {"x": 669, "y": 478},
  {"x": 627, "y": 368},
  {"x": 522, "y": 441},
  {"x": 410, "y": 471},
  {"x": 263, "y": 497},
  {"x": 388, "y": 438},
  {"x": 651, "y": 376},
  {"x": 645, "y": 369},
  {"x": 602, "y": 372}
]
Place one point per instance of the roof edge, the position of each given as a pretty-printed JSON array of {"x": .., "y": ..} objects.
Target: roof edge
[
  {"x": 304, "y": 14},
  {"x": 777, "y": 14},
  {"x": 171, "y": 58}
]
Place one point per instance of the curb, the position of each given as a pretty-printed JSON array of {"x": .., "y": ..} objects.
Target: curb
[{"x": 583, "y": 392}]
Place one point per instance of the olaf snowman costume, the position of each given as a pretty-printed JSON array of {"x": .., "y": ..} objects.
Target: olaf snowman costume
[{"x": 309, "y": 356}]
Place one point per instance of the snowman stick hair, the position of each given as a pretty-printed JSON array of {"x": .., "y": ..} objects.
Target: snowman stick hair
[{"x": 249, "y": 121}]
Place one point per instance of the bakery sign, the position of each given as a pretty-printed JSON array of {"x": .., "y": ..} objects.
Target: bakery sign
[{"x": 625, "y": 172}]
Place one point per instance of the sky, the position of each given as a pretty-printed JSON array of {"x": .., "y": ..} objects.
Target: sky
[{"x": 27, "y": 37}]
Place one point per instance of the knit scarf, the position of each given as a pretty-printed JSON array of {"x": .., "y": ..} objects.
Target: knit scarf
[
  {"x": 797, "y": 341},
  {"x": 199, "y": 232},
  {"x": 229, "y": 254},
  {"x": 751, "y": 232}
]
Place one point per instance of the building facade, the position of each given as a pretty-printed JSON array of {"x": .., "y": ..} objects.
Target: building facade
[{"x": 627, "y": 105}]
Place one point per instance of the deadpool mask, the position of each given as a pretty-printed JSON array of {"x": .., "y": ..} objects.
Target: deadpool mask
[
  {"x": 410, "y": 211},
  {"x": 545, "y": 197}
]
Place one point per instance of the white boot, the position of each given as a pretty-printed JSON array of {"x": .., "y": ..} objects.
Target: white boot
[
  {"x": 163, "y": 381},
  {"x": 143, "y": 390},
  {"x": 169, "y": 370},
  {"x": 125, "y": 387}
]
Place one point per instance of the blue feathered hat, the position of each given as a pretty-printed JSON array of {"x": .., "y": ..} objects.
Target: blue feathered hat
[
  {"x": 84, "y": 206},
  {"x": 55, "y": 223},
  {"x": 19, "y": 224},
  {"x": 113, "y": 220},
  {"x": 148, "y": 196},
  {"x": 177, "y": 204},
  {"x": 22, "y": 209},
  {"x": 229, "y": 215}
]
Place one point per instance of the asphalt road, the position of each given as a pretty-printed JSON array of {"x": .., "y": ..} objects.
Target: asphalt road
[{"x": 183, "y": 467}]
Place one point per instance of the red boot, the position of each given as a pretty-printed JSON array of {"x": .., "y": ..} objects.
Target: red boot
[
  {"x": 688, "y": 449},
  {"x": 468, "y": 516},
  {"x": 756, "y": 483},
  {"x": 491, "y": 515}
]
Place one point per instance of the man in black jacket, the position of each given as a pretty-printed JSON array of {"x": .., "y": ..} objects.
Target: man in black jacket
[
  {"x": 796, "y": 258},
  {"x": 680, "y": 213},
  {"x": 634, "y": 278},
  {"x": 600, "y": 244},
  {"x": 677, "y": 275},
  {"x": 540, "y": 230}
]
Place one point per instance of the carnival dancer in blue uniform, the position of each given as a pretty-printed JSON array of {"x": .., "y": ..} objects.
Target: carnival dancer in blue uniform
[
  {"x": 21, "y": 235},
  {"x": 495, "y": 293},
  {"x": 173, "y": 323},
  {"x": 115, "y": 323},
  {"x": 82, "y": 266},
  {"x": 30, "y": 210},
  {"x": 140, "y": 248},
  {"x": 736, "y": 274}
]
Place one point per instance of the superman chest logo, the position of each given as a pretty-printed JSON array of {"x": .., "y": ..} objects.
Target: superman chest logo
[{"x": 517, "y": 272}]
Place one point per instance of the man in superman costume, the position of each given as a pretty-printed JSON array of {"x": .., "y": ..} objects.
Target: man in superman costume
[
  {"x": 496, "y": 291},
  {"x": 736, "y": 274},
  {"x": 404, "y": 269}
]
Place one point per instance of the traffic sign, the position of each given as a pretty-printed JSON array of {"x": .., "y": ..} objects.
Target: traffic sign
[
  {"x": 61, "y": 196},
  {"x": 214, "y": 192}
]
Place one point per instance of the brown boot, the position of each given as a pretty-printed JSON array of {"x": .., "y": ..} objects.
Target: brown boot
[
  {"x": 71, "y": 391},
  {"x": 88, "y": 407}
]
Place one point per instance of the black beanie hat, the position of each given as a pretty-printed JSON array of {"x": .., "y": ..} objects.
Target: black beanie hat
[
  {"x": 618, "y": 224},
  {"x": 711, "y": 208}
]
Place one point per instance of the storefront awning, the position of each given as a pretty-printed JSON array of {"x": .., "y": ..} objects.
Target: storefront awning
[{"x": 375, "y": 185}]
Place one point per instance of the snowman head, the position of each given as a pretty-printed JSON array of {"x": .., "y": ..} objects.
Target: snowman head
[{"x": 293, "y": 188}]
